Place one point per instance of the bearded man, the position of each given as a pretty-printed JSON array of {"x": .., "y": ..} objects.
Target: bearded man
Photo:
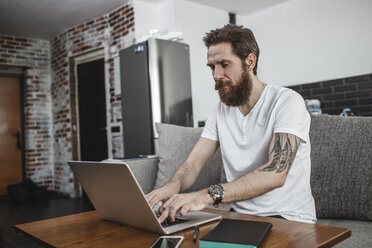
[{"x": 263, "y": 133}]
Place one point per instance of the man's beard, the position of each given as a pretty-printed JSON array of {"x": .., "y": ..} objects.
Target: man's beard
[{"x": 235, "y": 95}]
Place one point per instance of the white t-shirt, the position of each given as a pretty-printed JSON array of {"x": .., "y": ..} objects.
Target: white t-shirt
[{"x": 244, "y": 143}]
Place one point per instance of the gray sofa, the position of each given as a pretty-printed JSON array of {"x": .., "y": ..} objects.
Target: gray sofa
[{"x": 341, "y": 177}]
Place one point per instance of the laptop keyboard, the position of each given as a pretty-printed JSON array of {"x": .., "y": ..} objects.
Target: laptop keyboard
[{"x": 168, "y": 222}]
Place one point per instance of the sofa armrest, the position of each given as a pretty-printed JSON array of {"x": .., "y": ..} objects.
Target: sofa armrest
[{"x": 144, "y": 170}]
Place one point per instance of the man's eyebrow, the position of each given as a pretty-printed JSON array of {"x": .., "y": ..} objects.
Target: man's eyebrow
[{"x": 219, "y": 62}]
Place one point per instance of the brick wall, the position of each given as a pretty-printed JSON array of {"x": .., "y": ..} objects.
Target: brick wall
[
  {"x": 49, "y": 86},
  {"x": 33, "y": 55},
  {"x": 112, "y": 32},
  {"x": 335, "y": 95}
]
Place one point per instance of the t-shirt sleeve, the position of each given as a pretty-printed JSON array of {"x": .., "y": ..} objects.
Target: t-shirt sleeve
[
  {"x": 292, "y": 116},
  {"x": 210, "y": 129}
]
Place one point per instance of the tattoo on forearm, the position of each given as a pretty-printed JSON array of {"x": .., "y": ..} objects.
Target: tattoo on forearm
[{"x": 283, "y": 152}]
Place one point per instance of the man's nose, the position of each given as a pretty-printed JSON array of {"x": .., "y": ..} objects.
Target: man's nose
[{"x": 218, "y": 74}]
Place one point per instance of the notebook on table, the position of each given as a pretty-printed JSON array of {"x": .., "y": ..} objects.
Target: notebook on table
[
  {"x": 117, "y": 196},
  {"x": 230, "y": 233}
]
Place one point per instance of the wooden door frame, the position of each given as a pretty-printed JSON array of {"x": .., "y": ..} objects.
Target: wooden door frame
[
  {"x": 96, "y": 54},
  {"x": 18, "y": 72},
  {"x": 74, "y": 61}
]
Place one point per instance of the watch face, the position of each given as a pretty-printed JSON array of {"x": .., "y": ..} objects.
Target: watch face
[{"x": 216, "y": 191}]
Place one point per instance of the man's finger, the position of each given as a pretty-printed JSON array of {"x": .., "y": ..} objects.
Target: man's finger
[
  {"x": 161, "y": 209},
  {"x": 152, "y": 200},
  {"x": 163, "y": 216},
  {"x": 185, "y": 209},
  {"x": 169, "y": 201},
  {"x": 174, "y": 208}
]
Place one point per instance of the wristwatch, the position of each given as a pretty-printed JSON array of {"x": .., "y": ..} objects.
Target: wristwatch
[{"x": 217, "y": 193}]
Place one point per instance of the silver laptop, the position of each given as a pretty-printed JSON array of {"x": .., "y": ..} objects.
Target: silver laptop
[{"x": 117, "y": 196}]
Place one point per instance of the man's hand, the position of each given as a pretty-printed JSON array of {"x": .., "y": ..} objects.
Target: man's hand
[
  {"x": 162, "y": 194},
  {"x": 183, "y": 203},
  {"x": 184, "y": 177}
]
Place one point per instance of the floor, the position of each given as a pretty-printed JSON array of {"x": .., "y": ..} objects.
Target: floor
[{"x": 49, "y": 205}]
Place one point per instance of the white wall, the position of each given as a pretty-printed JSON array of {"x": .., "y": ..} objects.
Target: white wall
[
  {"x": 194, "y": 20},
  {"x": 149, "y": 16},
  {"x": 146, "y": 17},
  {"x": 167, "y": 18},
  {"x": 305, "y": 41}
]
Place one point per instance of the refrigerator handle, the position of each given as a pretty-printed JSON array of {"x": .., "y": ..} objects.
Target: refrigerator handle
[{"x": 154, "y": 84}]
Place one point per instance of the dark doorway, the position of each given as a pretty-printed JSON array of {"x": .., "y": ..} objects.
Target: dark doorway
[{"x": 92, "y": 111}]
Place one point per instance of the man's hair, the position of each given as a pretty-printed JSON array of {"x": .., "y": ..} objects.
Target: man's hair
[{"x": 242, "y": 41}]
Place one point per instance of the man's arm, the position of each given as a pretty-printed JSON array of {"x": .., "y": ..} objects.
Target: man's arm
[
  {"x": 282, "y": 151},
  {"x": 271, "y": 175},
  {"x": 186, "y": 175}
]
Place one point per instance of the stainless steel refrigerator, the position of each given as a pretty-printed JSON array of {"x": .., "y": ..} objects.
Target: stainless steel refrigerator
[{"x": 156, "y": 87}]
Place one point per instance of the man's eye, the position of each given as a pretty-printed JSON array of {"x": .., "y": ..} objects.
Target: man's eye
[{"x": 224, "y": 65}]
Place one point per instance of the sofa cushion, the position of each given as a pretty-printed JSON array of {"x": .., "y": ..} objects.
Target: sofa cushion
[
  {"x": 341, "y": 158},
  {"x": 175, "y": 144}
]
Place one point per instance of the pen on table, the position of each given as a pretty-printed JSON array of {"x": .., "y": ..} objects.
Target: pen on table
[{"x": 196, "y": 233}]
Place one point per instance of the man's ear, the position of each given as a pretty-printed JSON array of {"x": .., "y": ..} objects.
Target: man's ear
[{"x": 251, "y": 60}]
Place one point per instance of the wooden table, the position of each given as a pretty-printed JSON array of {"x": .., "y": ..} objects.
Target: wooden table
[{"x": 89, "y": 230}]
